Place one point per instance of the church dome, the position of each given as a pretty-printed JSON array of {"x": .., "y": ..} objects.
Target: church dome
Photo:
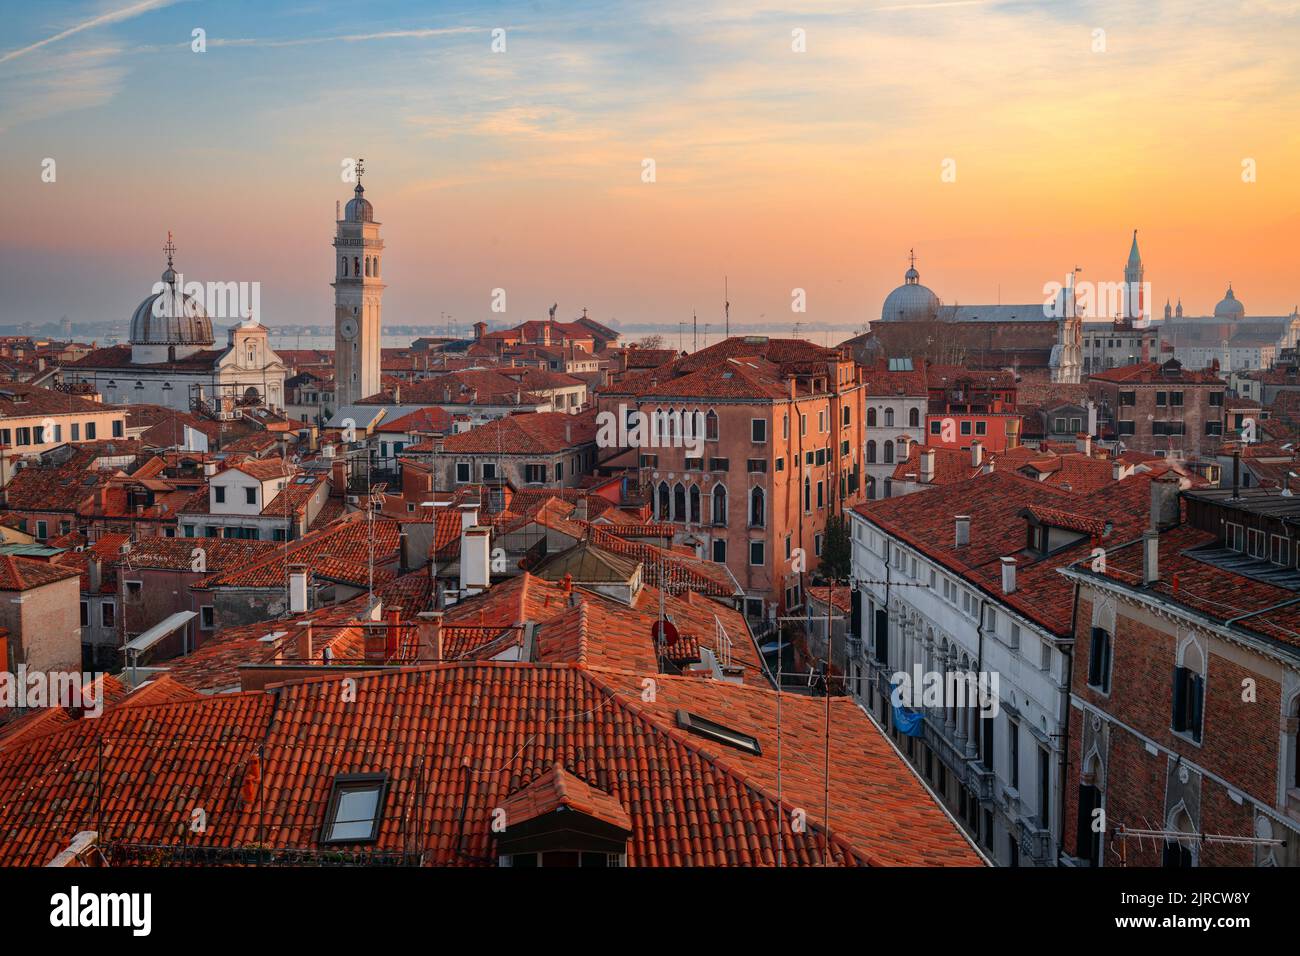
[
  {"x": 911, "y": 301},
  {"x": 1230, "y": 307},
  {"x": 170, "y": 317},
  {"x": 358, "y": 208}
]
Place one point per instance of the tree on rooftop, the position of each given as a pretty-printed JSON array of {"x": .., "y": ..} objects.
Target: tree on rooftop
[{"x": 836, "y": 551}]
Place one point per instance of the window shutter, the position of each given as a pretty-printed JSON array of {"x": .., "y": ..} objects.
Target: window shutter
[
  {"x": 1197, "y": 706},
  {"x": 1180, "y": 700}
]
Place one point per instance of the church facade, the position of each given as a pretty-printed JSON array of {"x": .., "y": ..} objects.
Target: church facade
[{"x": 171, "y": 359}]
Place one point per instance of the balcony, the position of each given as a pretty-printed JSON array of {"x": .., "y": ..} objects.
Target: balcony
[
  {"x": 979, "y": 779},
  {"x": 853, "y": 647},
  {"x": 1035, "y": 841}
]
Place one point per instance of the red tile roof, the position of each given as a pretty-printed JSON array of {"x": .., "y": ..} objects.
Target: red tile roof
[
  {"x": 23, "y": 574},
  {"x": 536, "y": 433}
]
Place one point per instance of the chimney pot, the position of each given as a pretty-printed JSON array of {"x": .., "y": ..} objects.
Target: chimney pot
[
  {"x": 429, "y": 630},
  {"x": 962, "y": 523},
  {"x": 976, "y": 453},
  {"x": 1150, "y": 556},
  {"x": 927, "y": 466},
  {"x": 1009, "y": 575}
]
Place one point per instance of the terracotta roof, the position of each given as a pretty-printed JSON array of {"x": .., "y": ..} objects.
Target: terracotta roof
[
  {"x": 23, "y": 574},
  {"x": 689, "y": 800},
  {"x": 1155, "y": 373},
  {"x": 536, "y": 433},
  {"x": 557, "y": 789},
  {"x": 21, "y": 400},
  {"x": 338, "y": 552}
]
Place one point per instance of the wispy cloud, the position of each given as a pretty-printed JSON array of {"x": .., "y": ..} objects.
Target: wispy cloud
[
  {"x": 267, "y": 43},
  {"x": 104, "y": 19}
]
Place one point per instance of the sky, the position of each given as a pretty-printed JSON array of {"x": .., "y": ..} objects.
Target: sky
[{"x": 1005, "y": 142}]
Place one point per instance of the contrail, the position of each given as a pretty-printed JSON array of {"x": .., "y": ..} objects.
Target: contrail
[{"x": 115, "y": 16}]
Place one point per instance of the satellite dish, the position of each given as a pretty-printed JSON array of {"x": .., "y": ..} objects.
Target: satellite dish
[{"x": 666, "y": 631}]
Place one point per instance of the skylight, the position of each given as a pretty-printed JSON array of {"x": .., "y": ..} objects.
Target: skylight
[
  {"x": 353, "y": 814},
  {"x": 723, "y": 735}
]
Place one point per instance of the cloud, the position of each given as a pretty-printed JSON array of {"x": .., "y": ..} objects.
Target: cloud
[{"x": 104, "y": 19}]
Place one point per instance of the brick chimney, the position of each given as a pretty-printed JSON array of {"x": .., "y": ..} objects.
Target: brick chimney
[
  {"x": 303, "y": 640},
  {"x": 428, "y": 629},
  {"x": 1164, "y": 502}
]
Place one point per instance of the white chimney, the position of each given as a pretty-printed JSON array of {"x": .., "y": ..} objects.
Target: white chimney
[
  {"x": 475, "y": 559},
  {"x": 209, "y": 468},
  {"x": 1092, "y": 417},
  {"x": 927, "y": 466},
  {"x": 580, "y": 510},
  {"x": 976, "y": 453},
  {"x": 1083, "y": 444},
  {"x": 1009, "y": 575},
  {"x": 297, "y": 590},
  {"x": 1150, "y": 556},
  {"x": 963, "y": 530},
  {"x": 327, "y": 450},
  {"x": 1117, "y": 470},
  {"x": 468, "y": 517}
]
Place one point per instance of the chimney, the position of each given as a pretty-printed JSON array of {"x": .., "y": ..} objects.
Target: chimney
[
  {"x": 209, "y": 468},
  {"x": 468, "y": 517},
  {"x": 1164, "y": 502},
  {"x": 568, "y": 434},
  {"x": 976, "y": 453},
  {"x": 303, "y": 641},
  {"x": 297, "y": 589},
  {"x": 1150, "y": 556},
  {"x": 397, "y": 394},
  {"x": 580, "y": 511},
  {"x": 95, "y": 569},
  {"x": 1117, "y": 470},
  {"x": 475, "y": 558},
  {"x": 339, "y": 475},
  {"x": 1083, "y": 444},
  {"x": 393, "y": 632},
  {"x": 376, "y": 645},
  {"x": 1009, "y": 575},
  {"x": 428, "y": 630},
  {"x": 963, "y": 530},
  {"x": 927, "y": 466},
  {"x": 1092, "y": 417}
]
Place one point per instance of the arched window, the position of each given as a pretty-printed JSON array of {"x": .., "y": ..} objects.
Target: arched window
[
  {"x": 343, "y": 266},
  {"x": 807, "y": 494},
  {"x": 695, "y": 504},
  {"x": 889, "y": 453},
  {"x": 356, "y": 265},
  {"x": 711, "y": 426},
  {"x": 367, "y": 265},
  {"x": 662, "y": 511},
  {"x": 871, "y": 489},
  {"x": 374, "y": 264},
  {"x": 889, "y": 417},
  {"x": 871, "y": 418},
  {"x": 757, "y": 513},
  {"x": 871, "y": 452},
  {"x": 719, "y": 504},
  {"x": 914, "y": 418},
  {"x": 679, "y": 502}
]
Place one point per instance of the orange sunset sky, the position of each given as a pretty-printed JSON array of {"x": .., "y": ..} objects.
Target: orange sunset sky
[{"x": 522, "y": 169}]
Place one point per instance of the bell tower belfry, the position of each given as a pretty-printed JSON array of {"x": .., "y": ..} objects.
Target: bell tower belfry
[{"x": 358, "y": 299}]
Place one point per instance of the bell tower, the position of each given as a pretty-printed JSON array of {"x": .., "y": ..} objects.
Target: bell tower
[
  {"x": 1135, "y": 303},
  {"x": 358, "y": 297}
]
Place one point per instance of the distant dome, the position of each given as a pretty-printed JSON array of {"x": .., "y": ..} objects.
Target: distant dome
[
  {"x": 911, "y": 301},
  {"x": 170, "y": 317},
  {"x": 1230, "y": 307},
  {"x": 358, "y": 208}
]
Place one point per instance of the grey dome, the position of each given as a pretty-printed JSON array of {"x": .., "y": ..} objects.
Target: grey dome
[
  {"x": 170, "y": 317},
  {"x": 1230, "y": 307},
  {"x": 911, "y": 301},
  {"x": 358, "y": 208}
]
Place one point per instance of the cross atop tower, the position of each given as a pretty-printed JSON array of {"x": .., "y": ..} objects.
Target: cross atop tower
[
  {"x": 169, "y": 248},
  {"x": 911, "y": 255},
  {"x": 361, "y": 170}
]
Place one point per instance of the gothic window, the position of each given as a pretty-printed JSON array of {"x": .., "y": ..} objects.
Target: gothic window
[
  {"x": 719, "y": 504},
  {"x": 711, "y": 426},
  {"x": 1189, "y": 690},
  {"x": 375, "y": 266},
  {"x": 679, "y": 502},
  {"x": 695, "y": 504},
  {"x": 663, "y": 512},
  {"x": 757, "y": 515}
]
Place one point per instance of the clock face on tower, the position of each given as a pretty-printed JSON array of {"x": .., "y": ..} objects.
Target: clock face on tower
[{"x": 348, "y": 329}]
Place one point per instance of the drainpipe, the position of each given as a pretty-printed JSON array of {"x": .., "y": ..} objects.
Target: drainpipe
[{"x": 1065, "y": 722}]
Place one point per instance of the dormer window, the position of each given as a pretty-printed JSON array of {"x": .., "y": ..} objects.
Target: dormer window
[
  {"x": 561, "y": 820},
  {"x": 355, "y": 808}
]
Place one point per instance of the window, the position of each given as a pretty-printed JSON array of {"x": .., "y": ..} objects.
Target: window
[
  {"x": 1189, "y": 690},
  {"x": 701, "y": 727},
  {"x": 888, "y": 449},
  {"x": 820, "y": 458},
  {"x": 1216, "y": 399},
  {"x": 871, "y": 418},
  {"x": 534, "y": 474},
  {"x": 679, "y": 502},
  {"x": 42, "y": 530},
  {"x": 935, "y": 426},
  {"x": 757, "y": 512},
  {"x": 85, "y": 614},
  {"x": 694, "y": 497},
  {"x": 652, "y": 461},
  {"x": 756, "y": 553},
  {"x": 1279, "y": 550},
  {"x": 965, "y": 428},
  {"x": 133, "y": 590},
  {"x": 756, "y": 466},
  {"x": 464, "y": 472},
  {"x": 118, "y": 430},
  {"x": 711, "y": 426},
  {"x": 719, "y": 464},
  {"x": 1175, "y": 399},
  {"x": 847, "y": 417},
  {"x": 1044, "y": 787},
  {"x": 889, "y": 417},
  {"x": 250, "y": 496},
  {"x": 758, "y": 430},
  {"x": 219, "y": 494},
  {"x": 1124, "y": 428},
  {"x": 1099, "y": 652},
  {"x": 1255, "y": 545},
  {"x": 207, "y": 617},
  {"x": 1162, "y": 399},
  {"x": 489, "y": 470},
  {"x": 913, "y": 418},
  {"x": 719, "y": 506},
  {"x": 981, "y": 428},
  {"x": 1087, "y": 839},
  {"x": 1234, "y": 536},
  {"x": 90, "y": 431},
  {"x": 1127, "y": 399},
  {"x": 108, "y": 614},
  {"x": 1214, "y": 428},
  {"x": 692, "y": 464},
  {"x": 720, "y": 550},
  {"x": 1013, "y": 752},
  {"x": 354, "y": 809}
]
